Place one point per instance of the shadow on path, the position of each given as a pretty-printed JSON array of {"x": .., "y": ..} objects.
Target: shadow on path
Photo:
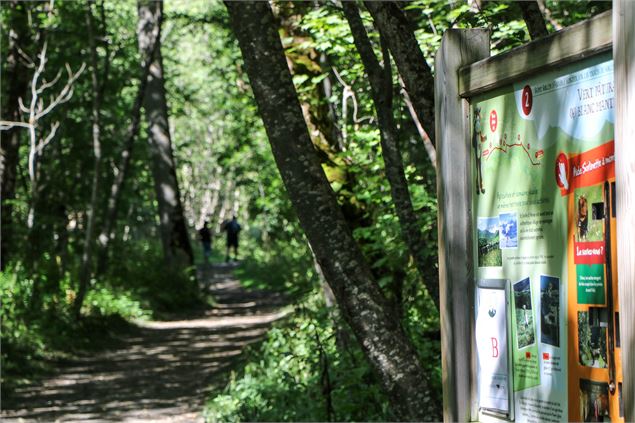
[{"x": 162, "y": 371}]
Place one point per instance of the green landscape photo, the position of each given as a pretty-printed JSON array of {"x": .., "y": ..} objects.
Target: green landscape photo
[
  {"x": 489, "y": 252},
  {"x": 525, "y": 333}
]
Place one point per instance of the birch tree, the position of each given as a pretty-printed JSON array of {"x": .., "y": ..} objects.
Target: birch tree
[
  {"x": 33, "y": 114},
  {"x": 36, "y": 110}
]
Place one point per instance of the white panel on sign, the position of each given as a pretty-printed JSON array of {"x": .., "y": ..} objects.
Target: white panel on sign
[{"x": 491, "y": 344}]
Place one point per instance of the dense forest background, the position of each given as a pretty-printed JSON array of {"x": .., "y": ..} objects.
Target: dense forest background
[{"x": 126, "y": 126}]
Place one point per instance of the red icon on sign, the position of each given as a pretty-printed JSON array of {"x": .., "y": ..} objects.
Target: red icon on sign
[
  {"x": 527, "y": 100},
  {"x": 545, "y": 356},
  {"x": 562, "y": 172},
  {"x": 493, "y": 120},
  {"x": 528, "y": 355}
]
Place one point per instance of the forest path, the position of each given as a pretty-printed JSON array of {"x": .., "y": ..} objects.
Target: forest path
[{"x": 162, "y": 371}]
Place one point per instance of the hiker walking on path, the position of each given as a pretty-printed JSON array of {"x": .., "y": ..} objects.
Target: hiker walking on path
[
  {"x": 206, "y": 239},
  {"x": 232, "y": 228}
]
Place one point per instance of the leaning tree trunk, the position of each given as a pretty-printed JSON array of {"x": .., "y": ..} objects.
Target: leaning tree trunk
[
  {"x": 533, "y": 19},
  {"x": 172, "y": 224},
  {"x": 358, "y": 295},
  {"x": 17, "y": 80},
  {"x": 381, "y": 87},
  {"x": 116, "y": 189},
  {"x": 412, "y": 66}
]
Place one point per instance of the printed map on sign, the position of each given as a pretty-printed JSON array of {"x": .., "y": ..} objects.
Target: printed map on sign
[{"x": 542, "y": 154}]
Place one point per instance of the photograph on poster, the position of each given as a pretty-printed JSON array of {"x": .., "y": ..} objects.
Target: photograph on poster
[
  {"x": 508, "y": 223},
  {"x": 489, "y": 252},
  {"x": 525, "y": 333},
  {"x": 592, "y": 337},
  {"x": 550, "y": 310},
  {"x": 588, "y": 203},
  {"x": 478, "y": 139},
  {"x": 594, "y": 401}
]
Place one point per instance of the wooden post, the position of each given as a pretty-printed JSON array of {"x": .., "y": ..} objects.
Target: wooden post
[
  {"x": 454, "y": 187},
  {"x": 624, "y": 65}
]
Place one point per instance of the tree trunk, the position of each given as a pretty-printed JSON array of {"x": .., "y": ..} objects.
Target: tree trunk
[
  {"x": 381, "y": 87},
  {"x": 413, "y": 68},
  {"x": 17, "y": 78},
  {"x": 85, "y": 271},
  {"x": 359, "y": 297},
  {"x": 172, "y": 223},
  {"x": 533, "y": 18},
  {"x": 112, "y": 207}
]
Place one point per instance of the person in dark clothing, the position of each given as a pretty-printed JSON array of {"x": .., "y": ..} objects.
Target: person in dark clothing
[
  {"x": 206, "y": 239},
  {"x": 477, "y": 140},
  {"x": 232, "y": 228}
]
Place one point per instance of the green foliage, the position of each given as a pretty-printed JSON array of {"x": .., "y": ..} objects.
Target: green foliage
[
  {"x": 139, "y": 287},
  {"x": 285, "y": 377},
  {"x": 225, "y": 166},
  {"x": 302, "y": 366},
  {"x": 289, "y": 269},
  {"x": 140, "y": 269},
  {"x": 570, "y": 12},
  {"x": 31, "y": 338}
]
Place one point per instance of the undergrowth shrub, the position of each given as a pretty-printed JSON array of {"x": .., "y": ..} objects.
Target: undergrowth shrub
[
  {"x": 290, "y": 269},
  {"x": 305, "y": 370},
  {"x": 310, "y": 367},
  {"x": 140, "y": 269},
  {"x": 140, "y": 286}
]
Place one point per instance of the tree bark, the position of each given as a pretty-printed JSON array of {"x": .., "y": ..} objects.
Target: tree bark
[
  {"x": 85, "y": 271},
  {"x": 533, "y": 19},
  {"x": 112, "y": 207},
  {"x": 359, "y": 297},
  {"x": 172, "y": 223},
  {"x": 17, "y": 78},
  {"x": 381, "y": 87},
  {"x": 412, "y": 66}
]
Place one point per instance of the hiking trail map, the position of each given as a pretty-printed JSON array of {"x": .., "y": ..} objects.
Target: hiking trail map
[{"x": 543, "y": 191}]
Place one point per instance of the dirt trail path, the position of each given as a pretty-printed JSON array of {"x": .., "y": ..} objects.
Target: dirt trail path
[{"x": 163, "y": 370}]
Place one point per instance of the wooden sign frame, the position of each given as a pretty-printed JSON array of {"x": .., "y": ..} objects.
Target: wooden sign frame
[{"x": 464, "y": 69}]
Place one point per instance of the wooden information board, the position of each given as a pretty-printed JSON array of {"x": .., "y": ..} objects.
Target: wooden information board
[{"x": 529, "y": 192}]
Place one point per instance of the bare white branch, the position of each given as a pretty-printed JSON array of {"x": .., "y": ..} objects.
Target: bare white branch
[
  {"x": 43, "y": 143},
  {"x": 339, "y": 78},
  {"x": 65, "y": 94},
  {"x": 34, "y": 79},
  {"x": 45, "y": 85},
  {"x": 37, "y": 109},
  {"x": 432, "y": 153},
  {"x": 23, "y": 108},
  {"x": 7, "y": 124},
  {"x": 347, "y": 93},
  {"x": 40, "y": 105},
  {"x": 29, "y": 62}
]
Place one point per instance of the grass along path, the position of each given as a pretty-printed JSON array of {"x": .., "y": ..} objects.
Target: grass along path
[{"x": 162, "y": 370}]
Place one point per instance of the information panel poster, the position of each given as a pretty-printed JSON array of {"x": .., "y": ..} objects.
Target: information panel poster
[{"x": 543, "y": 183}]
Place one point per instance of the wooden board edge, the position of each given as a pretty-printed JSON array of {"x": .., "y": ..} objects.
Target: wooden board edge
[{"x": 576, "y": 42}]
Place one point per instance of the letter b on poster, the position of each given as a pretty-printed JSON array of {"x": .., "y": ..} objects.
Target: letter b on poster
[{"x": 492, "y": 346}]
